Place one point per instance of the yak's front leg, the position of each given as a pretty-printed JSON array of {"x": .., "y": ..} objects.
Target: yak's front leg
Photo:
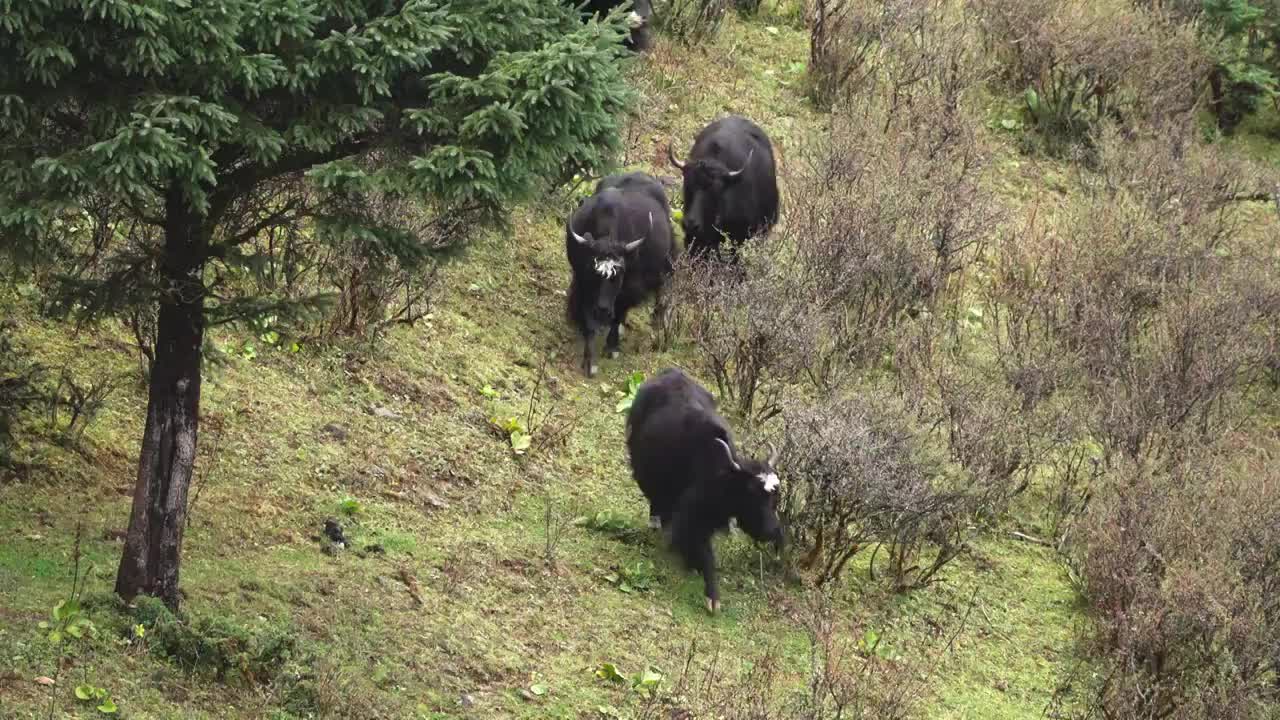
[
  {"x": 589, "y": 366},
  {"x": 661, "y": 316},
  {"x": 613, "y": 342},
  {"x": 705, "y": 561}
]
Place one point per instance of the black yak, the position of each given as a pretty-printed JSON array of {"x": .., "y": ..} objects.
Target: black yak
[
  {"x": 730, "y": 185},
  {"x": 620, "y": 250},
  {"x": 683, "y": 459},
  {"x": 639, "y": 18}
]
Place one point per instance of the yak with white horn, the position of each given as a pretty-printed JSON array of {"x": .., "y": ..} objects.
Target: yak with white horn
[
  {"x": 730, "y": 185},
  {"x": 683, "y": 458},
  {"x": 621, "y": 252}
]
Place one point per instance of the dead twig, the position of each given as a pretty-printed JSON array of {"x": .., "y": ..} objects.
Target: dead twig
[
  {"x": 410, "y": 582},
  {"x": 1028, "y": 538}
]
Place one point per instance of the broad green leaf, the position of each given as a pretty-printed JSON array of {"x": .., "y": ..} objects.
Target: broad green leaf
[
  {"x": 538, "y": 689},
  {"x": 84, "y": 692},
  {"x": 609, "y": 671},
  {"x": 520, "y": 442},
  {"x": 108, "y": 707}
]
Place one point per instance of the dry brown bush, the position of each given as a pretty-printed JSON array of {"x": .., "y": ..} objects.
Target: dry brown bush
[
  {"x": 1179, "y": 566},
  {"x": 1139, "y": 313},
  {"x": 856, "y": 475},
  {"x": 1090, "y": 62},
  {"x": 861, "y": 47},
  {"x": 752, "y": 331},
  {"x": 890, "y": 209},
  {"x": 1159, "y": 297}
]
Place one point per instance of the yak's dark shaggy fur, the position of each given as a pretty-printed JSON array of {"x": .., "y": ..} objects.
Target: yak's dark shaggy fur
[
  {"x": 641, "y": 18},
  {"x": 730, "y": 185},
  {"x": 683, "y": 459},
  {"x": 620, "y": 250}
]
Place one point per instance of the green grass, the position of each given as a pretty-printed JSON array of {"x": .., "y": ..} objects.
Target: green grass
[{"x": 457, "y": 513}]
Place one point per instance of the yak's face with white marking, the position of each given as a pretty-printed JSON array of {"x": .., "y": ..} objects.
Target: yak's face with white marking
[
  {"x": 754, "y": 489},
  {"x": 609, "y": 260}
]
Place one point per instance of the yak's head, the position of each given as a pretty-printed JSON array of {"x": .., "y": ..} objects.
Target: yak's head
[
  {"x": 753, "y": 495},
  {"x": 705, "y": 183},
  {"x": 641, "y": 11},
  {"x": 609, "y": 259}
]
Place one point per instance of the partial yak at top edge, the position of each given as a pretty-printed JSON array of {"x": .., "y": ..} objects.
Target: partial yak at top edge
[{"x": 639, "y": 18}]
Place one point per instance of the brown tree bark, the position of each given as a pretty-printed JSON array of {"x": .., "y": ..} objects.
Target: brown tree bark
[{"x": 153, "y": 544}]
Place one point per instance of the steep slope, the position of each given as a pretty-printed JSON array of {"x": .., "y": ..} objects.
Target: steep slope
[{"x": 461, "y": 613}]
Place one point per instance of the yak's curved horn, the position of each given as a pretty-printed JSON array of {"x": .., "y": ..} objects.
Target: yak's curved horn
[
  {"x": 773, "y": 453},
  {"x": 636, "y": 243},
  {"x": 729, "y": 451},
  {"x": 672, "y": 157},
  {"x": 579, "y": 238},
  {"x": 736, "y": 173}
]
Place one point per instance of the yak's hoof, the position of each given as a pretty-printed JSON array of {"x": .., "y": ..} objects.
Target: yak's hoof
[
  {"x": 614, "y": 354},
  {"x": 655, "y": 522},
  {"x": 591, "y": 370},
  {"x": 713, "y": 606}
]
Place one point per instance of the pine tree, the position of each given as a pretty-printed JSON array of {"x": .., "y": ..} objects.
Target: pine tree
[
  {"x": 1242, "y": 38},
  {"x": 169, "y": 135}
]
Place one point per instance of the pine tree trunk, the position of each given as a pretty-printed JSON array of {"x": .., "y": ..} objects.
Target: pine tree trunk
[{"x": 152, "y": 550}]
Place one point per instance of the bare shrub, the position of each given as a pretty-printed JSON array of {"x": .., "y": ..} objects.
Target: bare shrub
[
  {"x": 1159, "y": 299},
  {"x": 1179, "y": 568},
  {"x": 386, "y": 277},
  {"x": 76, "y": 402},
  {"x": 843, "y": 41},
  {"x": 752, "y": 330},
  {"x": 853, "y": 466},
  {"x": 889, "y": 49},
  {"x": 1083, "y": 63},
  {"x": 891, "y": 211},
  {"x": 691, "y": 22},
  {"x": 858, "y": 474}
]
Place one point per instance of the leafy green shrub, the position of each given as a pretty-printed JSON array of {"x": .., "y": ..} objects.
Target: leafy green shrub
[{"x": 218, "y": 645}]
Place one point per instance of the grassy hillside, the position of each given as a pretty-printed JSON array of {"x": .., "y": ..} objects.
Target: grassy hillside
[{"x": 484, "y": 599}]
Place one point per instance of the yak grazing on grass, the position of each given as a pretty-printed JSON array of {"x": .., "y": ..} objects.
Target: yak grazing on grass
[
  {"x": 620, "y": 250},
  {"x": 730, "y": 185},
  {"x": 683, "y": 459}
]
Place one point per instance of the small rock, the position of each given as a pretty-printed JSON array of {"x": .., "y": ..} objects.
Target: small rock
[
  {"x": 527, "y": 695},
  {"x": 382, "y": 412},
  {"x": 336, "y": 432},
  {"x": 435, "y": 501},
  {"x": 375, "y": 549},
  {"x": 43, "y": 680},
  {"x": 467, "y": 701}
]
